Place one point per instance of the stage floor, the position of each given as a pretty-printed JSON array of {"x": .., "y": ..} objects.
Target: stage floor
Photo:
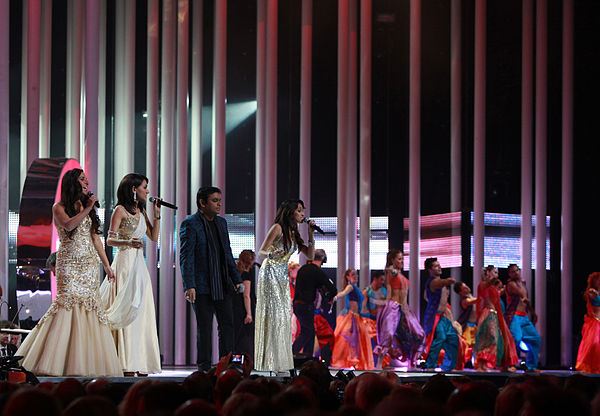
[{"x": 178, "y": 374}]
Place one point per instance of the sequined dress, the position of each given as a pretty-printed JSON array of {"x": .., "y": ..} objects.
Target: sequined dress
[
  {"x": 273, "y": 329},
  {"x": 73, "y": 337},
  {"x": 130, "y": 304}
]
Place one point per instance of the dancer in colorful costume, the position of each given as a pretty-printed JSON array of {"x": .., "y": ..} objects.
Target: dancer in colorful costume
[
  {"x": 518, "y": 308},
  {"x": 588, "y": 356},
  {"x": 494, "y": 345},
  {"x": 353, "y": 332},
  {"x": 438, "y": 320},
  {"x": 399, "y": 334}
]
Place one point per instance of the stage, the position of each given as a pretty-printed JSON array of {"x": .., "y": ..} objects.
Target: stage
[{"x": 178, "y": 374}]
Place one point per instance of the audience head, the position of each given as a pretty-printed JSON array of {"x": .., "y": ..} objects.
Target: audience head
[
  {"x": 196, "y": 407},
  {"x": 226, "y": 382},
  {"x": 91, "y": 406},
  {"x": 479, "y": 396},
  {"x": 32, "y": 402},
  {"x": 370, "y": 390},
  {"x": 437, "y": 389},
  {"x": 198, "y": 385},
  {"x": 67, "y": 391}
]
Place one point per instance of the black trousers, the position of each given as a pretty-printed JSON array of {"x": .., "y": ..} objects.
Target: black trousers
[
  {"x": 306, "y": 340},
  {"x": 205, "y": 308}
]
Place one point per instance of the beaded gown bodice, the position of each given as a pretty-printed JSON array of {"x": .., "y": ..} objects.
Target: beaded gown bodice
[
  {"x": 77, "y": 271},
  {"x": 129, "y": 229}
]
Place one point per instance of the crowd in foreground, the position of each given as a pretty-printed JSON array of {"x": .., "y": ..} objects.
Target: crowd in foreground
[{"x": 231, "y": 391}]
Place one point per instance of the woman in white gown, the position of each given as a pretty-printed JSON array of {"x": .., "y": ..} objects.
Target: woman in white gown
[
  {"x": 273, "y": 330},
  {"x": 73, "y": 338},
  {"x": 129, "y": 302}
]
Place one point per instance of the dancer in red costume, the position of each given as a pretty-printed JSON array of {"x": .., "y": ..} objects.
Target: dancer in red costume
[
  {"x": 494, "y": 345},
  {"x": 588, "y": 356}
]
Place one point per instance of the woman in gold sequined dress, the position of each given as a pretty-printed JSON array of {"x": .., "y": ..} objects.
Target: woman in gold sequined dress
[
  {"x": 73, "y": 337},
  {"x": 130, "y": 302},
  {"x": 273, "y": 330}
]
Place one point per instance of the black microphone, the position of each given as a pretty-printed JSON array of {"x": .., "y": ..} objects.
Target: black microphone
[
  {"x": 163, "y": 203},
  {"x": 96, "y": 204},
  {"x": 314, "y": 227}
]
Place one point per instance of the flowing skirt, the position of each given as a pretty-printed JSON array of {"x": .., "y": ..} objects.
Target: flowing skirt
[
  {"x": 130, "y": 310},
  {"x": 588, "y": 356},
  {"x": 399, "y": 333},
  {"x": 352, "y": 346},
  {"x": 489, "y": 345},
  {"x": 70, "y": 341},
  {"x": 273, "y": 328}
]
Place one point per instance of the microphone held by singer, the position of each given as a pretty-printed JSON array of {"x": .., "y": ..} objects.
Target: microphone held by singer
[
  {"x": 314, "y": 227},
  {"x": 163, "y": 203}
]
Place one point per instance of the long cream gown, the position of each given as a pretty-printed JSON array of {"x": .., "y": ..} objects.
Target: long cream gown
[
  {"x": 130, "y": 304},
  {"x": 273, "y": 328},
  {"x": 73, "y": 337}
]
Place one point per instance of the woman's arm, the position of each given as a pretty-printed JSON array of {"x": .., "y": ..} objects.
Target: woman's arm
[
  {"x": 62, "y": 219},
  {"x": 248, "y": 318},
  {"x": 388, "y": 285},
  {"x": 344, "y": 292},
  {"x": 100, "y": 249},
  {"x": 274, "y": 232},
  {"x": 153, "y": 227},
  {"x": 364, "y": 303},
  {"x": 115, "y": 222},
  {"x": 309, "y": 250}
]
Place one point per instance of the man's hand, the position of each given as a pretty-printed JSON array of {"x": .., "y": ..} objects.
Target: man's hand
[
  {"x": 450, "y": 281},
  {"x": 248, "y": 319},
  {"x": 190, "y": 295}
]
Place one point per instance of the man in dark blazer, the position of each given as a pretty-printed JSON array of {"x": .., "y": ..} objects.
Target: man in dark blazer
[
  {"x": 7, "y": 349},
  {"x": 210, "y": 277}
]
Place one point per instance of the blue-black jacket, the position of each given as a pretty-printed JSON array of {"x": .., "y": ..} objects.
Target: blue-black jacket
[{"x": 193, "y": 256}]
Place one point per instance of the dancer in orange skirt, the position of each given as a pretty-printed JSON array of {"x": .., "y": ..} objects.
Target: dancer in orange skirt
[
  {"x": 588, "y": 356},
  {"x": 353, "y": 332}
]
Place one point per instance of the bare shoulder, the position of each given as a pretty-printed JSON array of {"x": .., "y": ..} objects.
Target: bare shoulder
[
  {"x": 275, "y": 229},
  {"x": 58, "y": 207}
]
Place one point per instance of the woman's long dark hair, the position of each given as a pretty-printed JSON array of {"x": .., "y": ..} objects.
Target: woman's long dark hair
[
  {"x": 285, "y": 218},
  {"x": 125, "y": 192},
  {"x": 70, "y": 193},
  {"x": 391, "y": 255}
]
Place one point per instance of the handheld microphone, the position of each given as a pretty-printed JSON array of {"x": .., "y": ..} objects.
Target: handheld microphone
[
  {"x": 96, "y": 204},
  {"x": 163, "y": 203},
  {"x": 314, "y": 227}
]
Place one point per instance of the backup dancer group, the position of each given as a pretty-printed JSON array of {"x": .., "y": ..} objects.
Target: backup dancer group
[{"x": 110, "y": 329}]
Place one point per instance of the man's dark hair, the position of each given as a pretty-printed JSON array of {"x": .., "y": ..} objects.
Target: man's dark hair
[
  {"x": 320, "y": 255},
  {"x": 510, "y": 266},
  {"x": 458, "y": 287},
  {"x": 376, "y": 273},
  {"x": 429, "y": 262},
  {"x": 204, "y": 193}
]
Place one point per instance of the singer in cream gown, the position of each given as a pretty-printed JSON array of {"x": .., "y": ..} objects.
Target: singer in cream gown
[
  {"x": 73, "y": 337},
  {"x": 130, "y": 304}
]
